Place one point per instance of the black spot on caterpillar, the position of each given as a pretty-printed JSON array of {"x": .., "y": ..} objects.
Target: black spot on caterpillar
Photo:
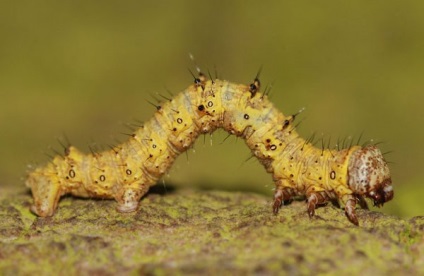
[{"x": 126, "y": 172}]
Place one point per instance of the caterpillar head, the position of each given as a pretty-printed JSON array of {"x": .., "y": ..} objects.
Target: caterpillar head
[{"x": 369, "y": 175}]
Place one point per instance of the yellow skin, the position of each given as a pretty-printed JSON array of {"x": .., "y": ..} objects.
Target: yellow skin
[{"x": 126, "y": 172}]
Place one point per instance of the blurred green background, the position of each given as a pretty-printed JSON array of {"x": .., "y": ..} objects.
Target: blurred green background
[{"x": 85, "y": 68}]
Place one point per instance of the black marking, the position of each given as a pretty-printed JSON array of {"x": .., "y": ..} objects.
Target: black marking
[
  {"x": 273, "y": 147},
  {"x": 128, "y": 172},
  {"x": 291, "y": 119},
  {"x": 210, "y": 103},
  {"x": 102, "y": 178},
  {"x": 197, "y": 81},
  {"x": 286, "y": 124},
  {"x": 179, "y": 120},
  {"x": 201, "y": 107},
  {"x": 333, "y": 175},
  {"x": 246, "y": 116},
  {"x": 71, "y": 173},
  {"x": 256, "y": 84},
  {"x": 253, "y": 89}
]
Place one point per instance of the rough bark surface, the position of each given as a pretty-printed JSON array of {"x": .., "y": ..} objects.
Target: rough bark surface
[{"x": 203, "y": 232}]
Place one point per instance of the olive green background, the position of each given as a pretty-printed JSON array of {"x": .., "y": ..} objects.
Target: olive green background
[{"x": 85, "y": 69}]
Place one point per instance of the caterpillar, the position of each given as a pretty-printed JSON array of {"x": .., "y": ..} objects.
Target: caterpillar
[{"x": 126, "y": 171}]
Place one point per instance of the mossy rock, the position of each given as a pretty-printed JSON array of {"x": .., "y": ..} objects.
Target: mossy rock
[{"x": 203, "y": 232}]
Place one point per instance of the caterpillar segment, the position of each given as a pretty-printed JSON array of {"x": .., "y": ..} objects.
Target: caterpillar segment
[{"x": 126, "y": 172}]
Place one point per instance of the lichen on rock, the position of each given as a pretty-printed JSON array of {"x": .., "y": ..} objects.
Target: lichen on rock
[{"x": 203, "y": 232}]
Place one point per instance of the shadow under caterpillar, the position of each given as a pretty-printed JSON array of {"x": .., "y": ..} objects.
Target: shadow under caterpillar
[{"x": 126, "y": 172}]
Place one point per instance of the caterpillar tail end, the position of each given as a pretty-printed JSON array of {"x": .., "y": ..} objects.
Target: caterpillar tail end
[{"x": 45, "y": 193}]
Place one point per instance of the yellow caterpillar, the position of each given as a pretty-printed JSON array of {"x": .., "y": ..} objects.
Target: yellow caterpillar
[{"x": 126, "y": 172}]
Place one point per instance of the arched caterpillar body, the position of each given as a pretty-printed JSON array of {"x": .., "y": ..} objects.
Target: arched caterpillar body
[{"x": 126, "y": 172}]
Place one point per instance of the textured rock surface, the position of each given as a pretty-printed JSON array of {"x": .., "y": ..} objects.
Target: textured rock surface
[{"x": 203, "y": 232}]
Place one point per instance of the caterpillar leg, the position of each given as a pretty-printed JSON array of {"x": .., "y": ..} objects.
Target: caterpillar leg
[
  {"x": 350, "y": 204},
  {"x": 362, "y": 202},
  {"x": 281, "y": 196},
  {"x": 129, "y": 199},
  {"x": 46, "y": 194},
  {"x": 315, "y": 199}
]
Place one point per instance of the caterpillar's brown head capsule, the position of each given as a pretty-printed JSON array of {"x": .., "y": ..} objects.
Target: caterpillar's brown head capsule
[{"x": 369, "y": 175}]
